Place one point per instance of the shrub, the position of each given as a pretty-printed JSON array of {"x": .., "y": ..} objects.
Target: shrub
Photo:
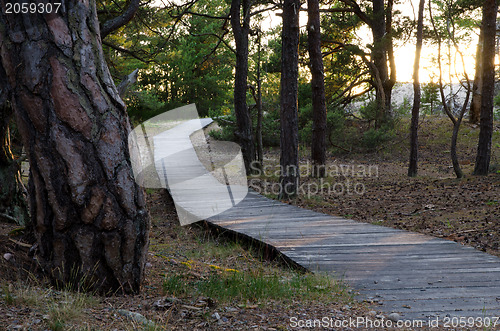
[
  {"x": 143, "y": 105},
  {"x": 335, "y": 119},
  {"x": 270, "y": 127},
  {"x": 373, "y": 138}
]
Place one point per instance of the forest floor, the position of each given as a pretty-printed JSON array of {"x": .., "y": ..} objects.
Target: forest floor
[
  {"x": 195, "y": 280},
  {"x": 374, "y": 187},
  {"x": 199, "y": 280}
]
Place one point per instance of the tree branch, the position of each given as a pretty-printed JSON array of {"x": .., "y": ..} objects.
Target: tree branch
[
  {"x": 221, "y": 39},
  {"x": 125, "y": 51},
  {"x": 337, "y": 10},
  {"x": 207, "y": 16},
  {"x": 8, "y": 217},
  {"x": 263, "y": 10},
  {"x": 357, "y": 10},
  {"x": 117, "y": 22},
  {"x": 126, "y": 82},
  {"x": 353, "y": 84}
]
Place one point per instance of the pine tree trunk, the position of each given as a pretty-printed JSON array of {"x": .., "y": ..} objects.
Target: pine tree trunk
[
  {"x": 413, "y": 167},
  {"x": 318, "y": 146},
  {"x": 391, "y": 79},
  {"x": 89, "y": 215},
  {"x": 258, "y": 133},
  {"x": 475, "y": 105},
  {"x": 243, "y": 119},
  {"x": 379, "y": 56},
  {"x": 488, "y": 89},
  {"x": 289, "y": 161},
  {"x": 382, "y": 52}
]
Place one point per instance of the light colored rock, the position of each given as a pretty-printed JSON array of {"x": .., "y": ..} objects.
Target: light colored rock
[
  {"x": 8, "y": 256},
  {"x": 394, "y": 317}
]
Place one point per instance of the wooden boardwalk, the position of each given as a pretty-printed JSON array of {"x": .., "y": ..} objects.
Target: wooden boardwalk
[{"x": 414, "y": 275}]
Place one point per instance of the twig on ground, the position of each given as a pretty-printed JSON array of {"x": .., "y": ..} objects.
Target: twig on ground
[{"x": 8, "y": 217}]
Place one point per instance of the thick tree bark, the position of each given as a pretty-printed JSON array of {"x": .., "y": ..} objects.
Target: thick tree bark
[
  {"x": 488, "y": 89},
  {"x": 289, "y": 162},
  {"x": 13, "y": 205},
  {"x": 475, "y": 105},
  {"x": 90, "y": 217},
  {"x": 413, "y": 167},
  {"x": 380, "y": 56},
  {"x": 241, "y": 29},
  {"x": 318, "y": 146}
]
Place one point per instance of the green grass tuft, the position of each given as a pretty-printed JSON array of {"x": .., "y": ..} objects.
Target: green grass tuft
[{"x": 259, "y": 287}]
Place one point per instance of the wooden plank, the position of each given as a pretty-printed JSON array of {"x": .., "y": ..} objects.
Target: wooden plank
[
  {"x": 327, "y": 227},
  {"x": 407, "y": 281},
  {"x": 406, "y": 267},
  {"x": 355, "y": 255},
  {"x": 391, "y": 269},
  {"x": 454, "y": 292},
  {"x": 370, "y": 288},
  {"x": 438, "y": 305},
  {"x": 411, "y": 243}
]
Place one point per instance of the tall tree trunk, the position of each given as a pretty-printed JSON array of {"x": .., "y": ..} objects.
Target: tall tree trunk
[
  {"x": 379, "y": 56},
  {"x": 260, "y": 145},
  {"x": 289, "y": 162},
  {"x": 318, "y": 147},
  {"x": 475, "y": 105},
  {"x": 89, "y": 215},
  {"x": 241, "y": 29},
  {"x": 488, "y": 89},
  {"x": 382, "y": 52},
  {"x": 391, "y": 79},
  {"x": 446, "y": 106},
  {"x": 413, "y": 167}
]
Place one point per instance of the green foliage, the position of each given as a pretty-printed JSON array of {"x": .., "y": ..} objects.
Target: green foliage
[
  {"x": 335, "y": 119},
  {"x": 60, "y": 308},
  {"x": 369, "y": 110},
  {"x": 373, "y": 138},
  {"x": 175, "y": 285},
  {"x": 270, "y": 127},
  {"x": 496, "y": 111},
  {"x": 497, "y": 100},
  {"x": 273, "y": 62},
  {"x": 304, "y": 93},
  {"x": 7, "y": 296},
  {"x": 57, "y": 325},
  {"x": 182, "y": 63},
  {"x": 256, "y": 286},
  {"x": 227, "y": 128},
  {"x": 143, "y": 105},
  {"x": 495, "y": 152},
  {"x": 430, "y": 97},
  {"x": 342, "y": 63},
  {"x": 244, "y": 287},
  {"x": 402, "y": 109}
]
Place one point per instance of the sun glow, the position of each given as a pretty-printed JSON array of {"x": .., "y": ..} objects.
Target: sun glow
[{"x": 429, "y": 68}]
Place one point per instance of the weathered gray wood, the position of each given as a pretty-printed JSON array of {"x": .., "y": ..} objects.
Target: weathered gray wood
[
  {"x": 418, "y": 276},
  {"x": 372, "y": 258}
]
